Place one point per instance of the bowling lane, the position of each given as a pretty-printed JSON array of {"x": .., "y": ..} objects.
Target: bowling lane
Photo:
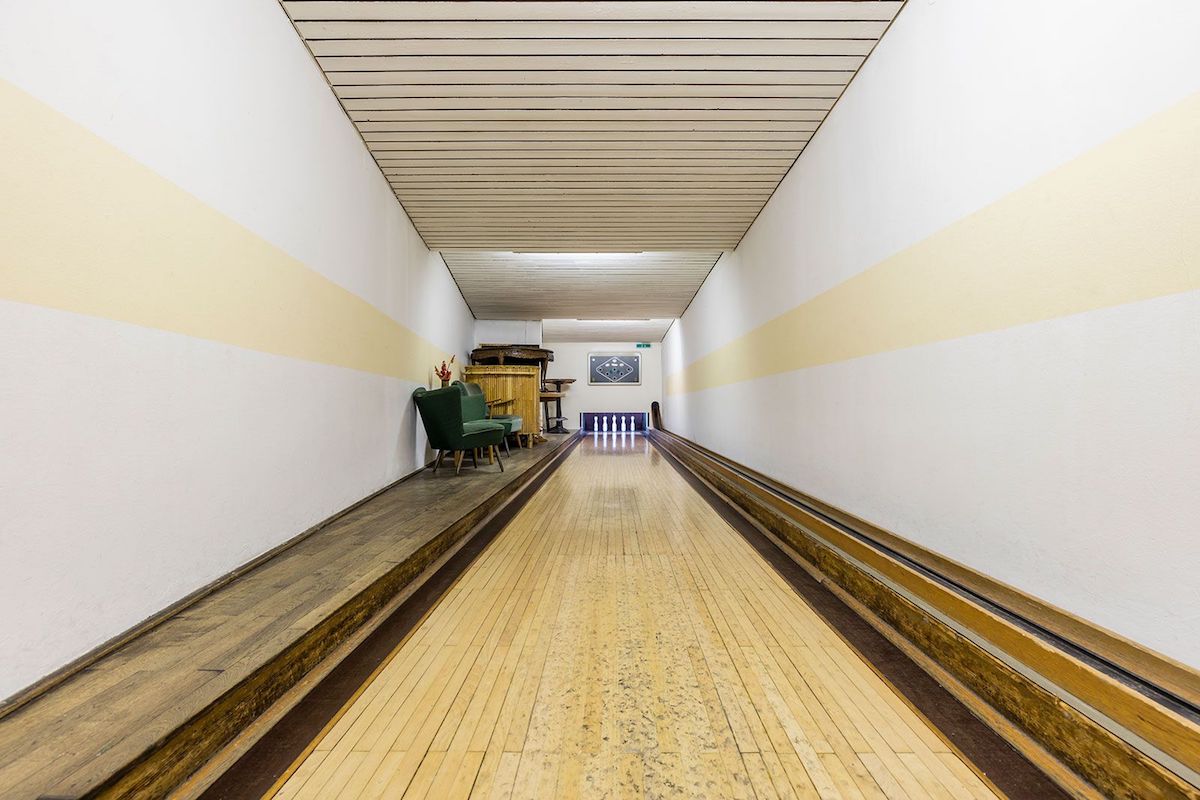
[{"x": 618, "y": 638}]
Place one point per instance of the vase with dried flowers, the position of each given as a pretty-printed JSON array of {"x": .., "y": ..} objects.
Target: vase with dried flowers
[{"x": 443, "y": 372}]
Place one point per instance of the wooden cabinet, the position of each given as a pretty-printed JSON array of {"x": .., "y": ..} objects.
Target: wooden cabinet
[{"x": 522, "y": 384}]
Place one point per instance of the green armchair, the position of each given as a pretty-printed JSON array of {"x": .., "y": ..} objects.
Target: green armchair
[
  {"x": 474, "y": 405},
  {"x": 442, "y": 414}
]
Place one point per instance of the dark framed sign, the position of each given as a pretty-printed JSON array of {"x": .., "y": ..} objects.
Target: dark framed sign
[{"x": 614, "y": 368}]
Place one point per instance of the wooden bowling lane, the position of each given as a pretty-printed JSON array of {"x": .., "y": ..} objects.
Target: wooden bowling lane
[{"x": 619, "y": 639}]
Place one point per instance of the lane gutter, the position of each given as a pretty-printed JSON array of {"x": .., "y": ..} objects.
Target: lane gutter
[
  {"x": 1010, "y": 772},
  {"x": 1158, "y": 694},
  {"x": 256, "y": 771}
]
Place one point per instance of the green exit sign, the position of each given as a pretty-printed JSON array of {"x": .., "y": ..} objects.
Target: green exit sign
[{"x": 642, "y": 345}]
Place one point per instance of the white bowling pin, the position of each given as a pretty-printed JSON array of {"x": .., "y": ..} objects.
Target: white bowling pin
[
  {"x": 605, "y": 419},
  {"x": 622, "y": 424}
]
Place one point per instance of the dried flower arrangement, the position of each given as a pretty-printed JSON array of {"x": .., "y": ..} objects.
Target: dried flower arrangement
[{"x": 443, "y": 372}]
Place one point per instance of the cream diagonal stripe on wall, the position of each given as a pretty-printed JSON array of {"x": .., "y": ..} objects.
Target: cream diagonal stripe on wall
[
  {"x": 1116, "y": 225},
  {"x": 88, "y": 229}
]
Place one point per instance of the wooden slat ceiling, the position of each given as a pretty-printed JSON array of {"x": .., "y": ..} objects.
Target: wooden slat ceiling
[
  {"x": 587, "y": 126},
  {"x": 605, "y": 330},
  {"x": 506, "y": 285}
]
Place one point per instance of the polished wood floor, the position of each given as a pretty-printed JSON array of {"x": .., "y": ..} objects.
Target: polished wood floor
[
  {"x": 87, "y": 729},
  {"x": 619, "y": 639}
]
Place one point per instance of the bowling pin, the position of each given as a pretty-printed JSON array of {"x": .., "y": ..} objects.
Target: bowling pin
[
  {"x": 622, "y": 424},
  {"x": 605, "y": 424}
]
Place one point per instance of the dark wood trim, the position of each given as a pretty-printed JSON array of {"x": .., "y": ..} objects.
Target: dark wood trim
[
  {"x": 268, "y": 759},
  {"x": 35, "y": 690},
  {"x": 1165, "y": 721},
  {"x": 1155, "y": 669},
  {"x": 1113, "y": 765},
  {"x": 180, "y": 752},
  {"x": 998, "y": 764}
]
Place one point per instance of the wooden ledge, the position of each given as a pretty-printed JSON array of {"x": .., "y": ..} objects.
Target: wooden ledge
[
  {"x": 884, "y": 584},
  {"x": 1161, "y": 670},
  {"x": 146, "y": 715}
]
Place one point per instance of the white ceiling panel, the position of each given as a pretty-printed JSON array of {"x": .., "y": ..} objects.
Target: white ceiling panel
[
  {"x": 601, "y": 285},
  {"x": 587, "y": 127},
  {"x": 620, "y": 11},
  {"x": 605, "y": 330},
  {"x": 497, "y": 100}
]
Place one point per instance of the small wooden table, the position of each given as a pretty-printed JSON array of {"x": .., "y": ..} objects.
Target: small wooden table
[
  {"x": 510, "y": 354},
  {"x": 556, "y": 395}
]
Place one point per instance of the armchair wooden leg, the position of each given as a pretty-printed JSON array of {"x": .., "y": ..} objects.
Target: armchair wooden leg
[
  {"x": 441, "y": 454},
  {"x": 491, "y": 449},
  {"x": 499, "y": 460},
  {"x": 474, "y": 460},
  {"x": 458, "y": 459},
  {"x": 507, "y": 452}
]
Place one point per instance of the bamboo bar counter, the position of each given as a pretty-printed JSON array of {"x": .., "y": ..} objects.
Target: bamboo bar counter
[{"x": 521, "y": 383}]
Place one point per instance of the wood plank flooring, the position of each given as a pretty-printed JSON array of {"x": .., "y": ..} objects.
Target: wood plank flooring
[
  {"x": 81, "y": 732},
  {"x": 619, "y": 639}
]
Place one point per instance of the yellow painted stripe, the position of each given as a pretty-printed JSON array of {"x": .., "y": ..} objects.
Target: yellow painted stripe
[
  {"x": 1119, "y": 224},
  {"x": 86, "y": 228}
]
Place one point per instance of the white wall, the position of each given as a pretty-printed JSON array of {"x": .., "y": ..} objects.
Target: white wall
[
  {"x": 508, "y": 331},
  {"x": 1060, "y": 456},
  {"x": 139, "y": 464},
  {"x": 571, "y": 361}
]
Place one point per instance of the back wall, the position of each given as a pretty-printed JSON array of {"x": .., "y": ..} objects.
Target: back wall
[{"x": 571, "y": 361}]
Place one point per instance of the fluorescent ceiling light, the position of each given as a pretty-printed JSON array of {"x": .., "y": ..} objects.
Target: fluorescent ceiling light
[{"x": 581, "y": 258}]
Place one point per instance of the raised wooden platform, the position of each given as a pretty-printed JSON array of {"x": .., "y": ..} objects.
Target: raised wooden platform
[
  {"x": 146, "y": 715},
  {"x": 619, "y": 639},
  {"x": 1093, "y": 729}
]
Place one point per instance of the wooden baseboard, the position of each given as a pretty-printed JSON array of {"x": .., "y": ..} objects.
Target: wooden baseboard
[
  {"x": 1017, "y": 673},
  {"x": 1172, "y": 677},
  {"x": 183, "y": 751},
  {"x": 277, "y": 743},
  {"x": 35, "y": 690}
]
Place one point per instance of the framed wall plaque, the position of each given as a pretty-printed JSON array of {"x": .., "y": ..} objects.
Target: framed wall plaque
[{"x": 614, "y": 368}]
